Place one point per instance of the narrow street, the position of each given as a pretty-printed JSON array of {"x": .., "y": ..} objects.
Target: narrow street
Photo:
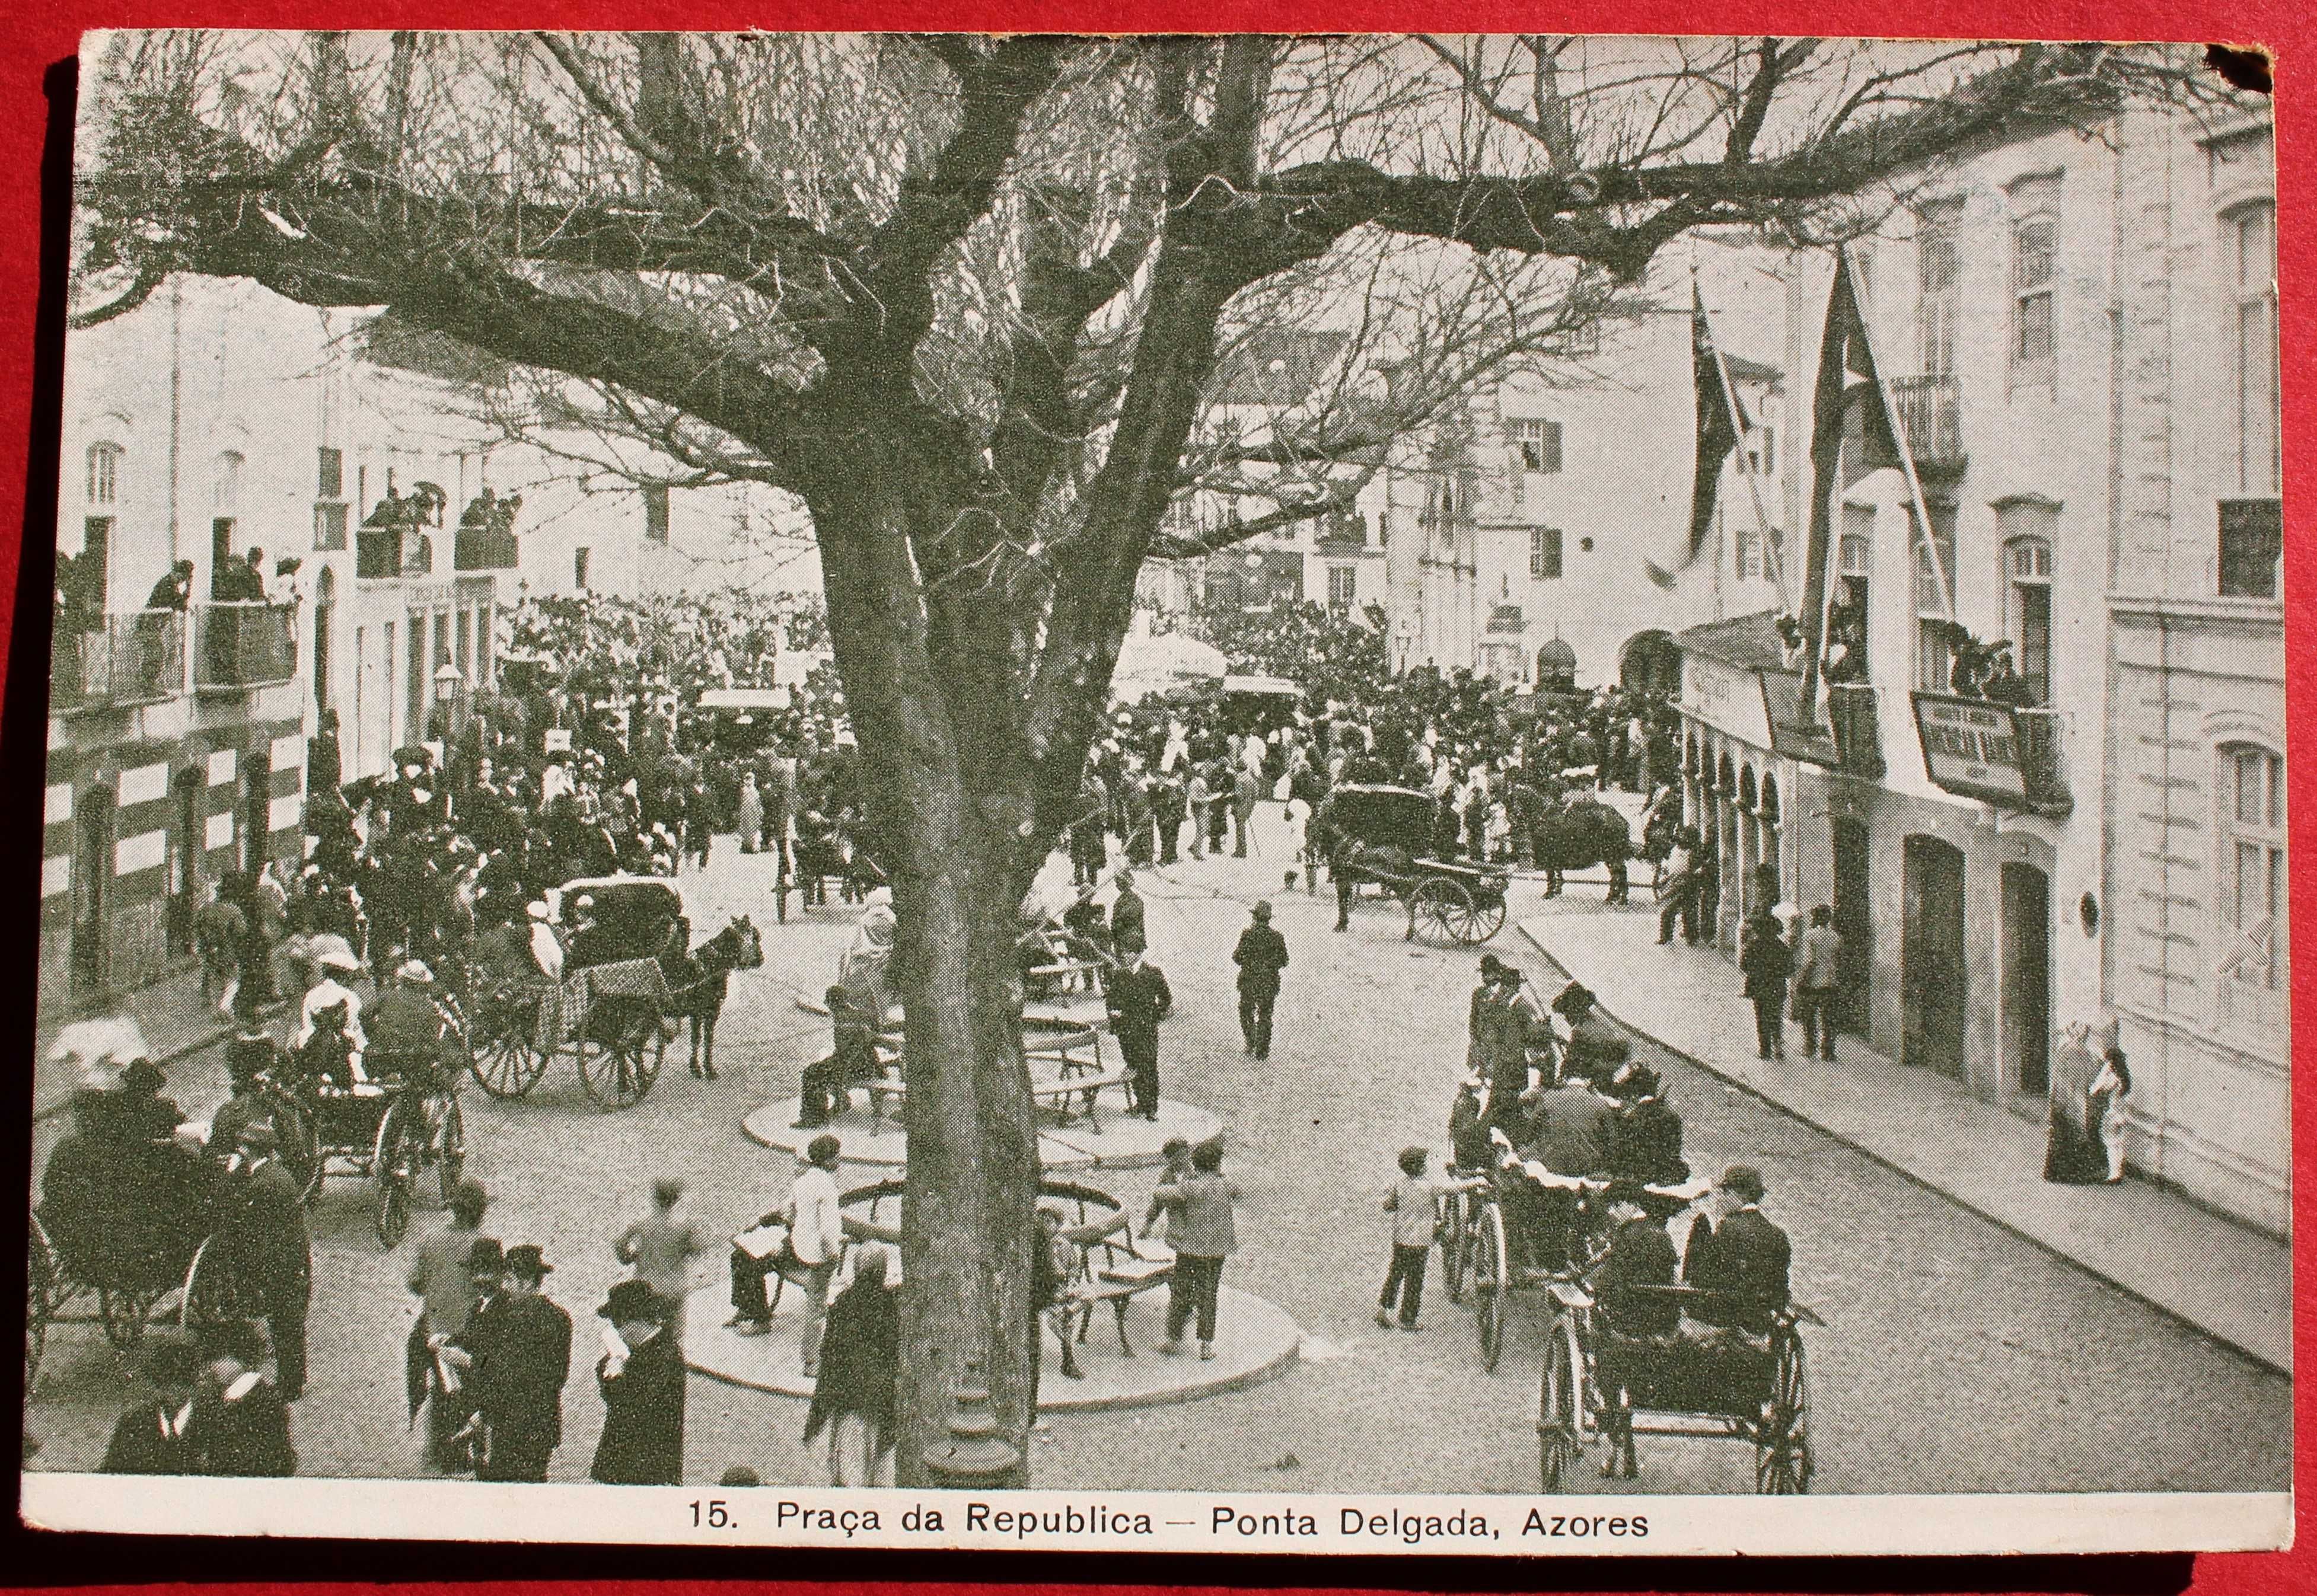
[{"x": 1957, "y": 1357}]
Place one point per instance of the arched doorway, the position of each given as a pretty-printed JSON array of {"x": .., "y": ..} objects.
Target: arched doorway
[
  {"x": 2027, "y": 978},
  {"x": 92, "y": 894},
  {"x": 1931, "y": 957},
  {"x": 1650, "y": 663}
]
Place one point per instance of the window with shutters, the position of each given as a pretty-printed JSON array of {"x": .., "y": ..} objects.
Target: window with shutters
[
  {"x": 1537, "y": 445},
  {"x": 104, "y": 474},
  {"x": 2251, "y": 523},
  {"x": 1934, "y": 570},
  {"x": 1938, "y": 279},
  {"x": 1342, "y": 586},
  {"x": 1545, "y": 553},
  {"x": 2027, "y": 565},
  {"x": 2035, "y": 280},
  {"x": 2255, "y": 964}
]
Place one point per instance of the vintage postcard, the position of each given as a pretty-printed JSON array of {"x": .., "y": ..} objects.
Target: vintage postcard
[{"x": 1497, "y": 795}]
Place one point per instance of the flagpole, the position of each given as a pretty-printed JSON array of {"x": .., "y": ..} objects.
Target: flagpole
[
  {"x": 1753, "y": 488},
  {"x": 1906, "y": 453}
]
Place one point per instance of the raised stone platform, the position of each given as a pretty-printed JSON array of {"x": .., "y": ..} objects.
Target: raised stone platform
[
  {"x": 1254, "y": 1341},
  {"x": 1124, "y": 1142}
]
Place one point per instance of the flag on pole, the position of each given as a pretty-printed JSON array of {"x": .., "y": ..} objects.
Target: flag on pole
[
  {"x": 1720, "y": 422},
  {"x": 1846, "y": 374}
]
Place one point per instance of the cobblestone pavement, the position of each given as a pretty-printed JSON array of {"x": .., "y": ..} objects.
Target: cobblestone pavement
[{"x": 1957, "y": 1357}]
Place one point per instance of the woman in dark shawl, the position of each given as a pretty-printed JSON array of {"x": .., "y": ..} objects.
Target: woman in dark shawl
[{"x": 860, "y": 1356}]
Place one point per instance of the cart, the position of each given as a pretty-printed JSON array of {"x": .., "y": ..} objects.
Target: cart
[
  {"x": 1378, "y": 840},
  {"x": 610, "y": 1018}
]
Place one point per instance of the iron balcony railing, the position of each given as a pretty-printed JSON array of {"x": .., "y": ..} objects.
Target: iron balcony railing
[
  {"x": 244, "y": 644},
  {"x": 2041, "y": 770},
  {"x": 1930, "y": 409},
  {"x": 137, "y": 658}
]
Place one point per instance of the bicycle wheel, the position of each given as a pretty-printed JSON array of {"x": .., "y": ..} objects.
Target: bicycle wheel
[{"x": 1490, "y": 1280}]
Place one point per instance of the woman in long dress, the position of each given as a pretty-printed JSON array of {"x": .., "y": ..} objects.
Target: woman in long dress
[
  {"x": 2109, "y": 1088},
  {"x": 2072, "y": 1153}
]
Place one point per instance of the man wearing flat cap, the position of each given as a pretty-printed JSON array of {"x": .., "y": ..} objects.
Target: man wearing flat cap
[
  {"x": 519, "y": 1345},
  {"x": 642, "y": 1377}
]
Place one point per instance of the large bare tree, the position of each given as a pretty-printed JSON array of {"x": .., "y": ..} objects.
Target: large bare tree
[{"x": 964, "y": 298}]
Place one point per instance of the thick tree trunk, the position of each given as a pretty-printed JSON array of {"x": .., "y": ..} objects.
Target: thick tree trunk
[{"x": 939, "y": 737}]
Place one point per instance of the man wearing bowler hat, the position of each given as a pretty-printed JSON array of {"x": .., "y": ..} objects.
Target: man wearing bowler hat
[
  {"x": 519, "y": 1347},
  {"x": 642, "y": 1377}
]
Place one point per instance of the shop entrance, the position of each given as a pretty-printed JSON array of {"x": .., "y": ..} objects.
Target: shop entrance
[
  {"x": 1931, "y": 958},
  {"x": 2027, "y": 978}
]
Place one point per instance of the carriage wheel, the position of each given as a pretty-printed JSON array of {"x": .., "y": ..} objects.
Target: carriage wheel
[
  {"x": 390, "y": 1165},
  {"x": 1455, "y": 1244},
  {"x": 1783, "y": 1466},
  {"x": 298, "y": 1134},
  {"x": 448, "y": 1132},
  {"x": 1437, "y": 906},
  {"x": 506, "y": 1064},
  {"x": 1560, "y": 1396},
  {"x": 40, "y": 1300},
  {"x": 213, "y": 1294},
  {"x": 1490, "y": 1269},
  {"x": 617, "y": 1074},
  {"x": 1486, "y": 920}
]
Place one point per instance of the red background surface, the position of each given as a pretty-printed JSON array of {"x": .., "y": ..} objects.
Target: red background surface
[{"x": 36, "y": 35}]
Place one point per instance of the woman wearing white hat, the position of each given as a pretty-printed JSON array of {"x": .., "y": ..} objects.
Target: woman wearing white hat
[{"x": 333, "y": 964}]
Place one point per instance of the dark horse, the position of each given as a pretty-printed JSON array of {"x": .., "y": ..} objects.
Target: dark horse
[
  {"x": 698, "y": 980},
  {"x": 1579, "y": 832}
]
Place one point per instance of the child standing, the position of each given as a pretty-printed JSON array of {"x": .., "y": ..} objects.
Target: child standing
[{"x": 1411, "y": 1203}]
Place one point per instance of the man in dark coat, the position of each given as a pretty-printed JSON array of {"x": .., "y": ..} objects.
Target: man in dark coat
[
  {"x": 1745, "y": 1256},
  {"x": 642, "y": 1377},
  {"x": 1645, "y": 1144},
  {"x": 860, "y": 1358},
  {"x": 1766, "y": 958},
  {"x": 152, "y": 1436},
  {"x": 266, "y": 1216},
  {"x": 1126, "y": 912},
  {"x": 239, "y": 1425},
  {"x": 1139, "y": 999},
  {"x": 520, "y": 1345},
  {"x": 1261, "y": 955}
]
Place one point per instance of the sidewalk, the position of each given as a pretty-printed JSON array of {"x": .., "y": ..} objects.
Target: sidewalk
[
  {"x": 176, "y": 1023},
  {"x": 2230, "y": 1281}
]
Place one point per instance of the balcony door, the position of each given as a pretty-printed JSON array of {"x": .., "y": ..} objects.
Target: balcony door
[{"x": 2027, "y": 978}]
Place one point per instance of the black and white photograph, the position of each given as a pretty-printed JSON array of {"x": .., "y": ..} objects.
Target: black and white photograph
[{"x": 1503, "y": 795}]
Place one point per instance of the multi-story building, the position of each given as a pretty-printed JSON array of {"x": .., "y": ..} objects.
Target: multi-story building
[
  {"x": 218, "y": 417},
  {"x": 176, "y": 737},
  {"x": 1525, "y": 528},
  {"x": 2078, "y": 339},
  {"x": 1337, "y": 558}
]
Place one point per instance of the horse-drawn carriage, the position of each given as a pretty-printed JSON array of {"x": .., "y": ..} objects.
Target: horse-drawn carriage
[
  {"x": 1379, "y": 841},
  {"x": 630, "y": 976},
  {"x": 126, "y": 1230},
  {"x": 395, "y": 1120},
  {"x": 1623, "y": 1359}
]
